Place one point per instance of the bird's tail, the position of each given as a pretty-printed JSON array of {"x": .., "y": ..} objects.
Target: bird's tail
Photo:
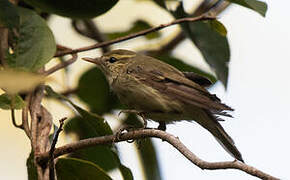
[{"x": 210, "y": 122}]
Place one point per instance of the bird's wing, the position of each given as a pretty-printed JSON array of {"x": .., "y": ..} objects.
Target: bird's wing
[
  {"x": 174, "y": 84},
  {"x": 202, "y": 81}
]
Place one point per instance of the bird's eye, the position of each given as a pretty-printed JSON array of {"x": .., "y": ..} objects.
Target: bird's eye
[{"x": 112, "y": 59}]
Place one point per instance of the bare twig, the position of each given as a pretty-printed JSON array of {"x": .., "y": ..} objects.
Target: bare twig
[
  {"x": 144, "y": 133},
  {"x": 14, "y": 120},
  {"x": 134, "y": 35},
  {"x": 25, "y": 116},
  {"x": 69, "y": 92},
  {"x": 62, "y": 64},
  {"x": 52, "y": 148}
]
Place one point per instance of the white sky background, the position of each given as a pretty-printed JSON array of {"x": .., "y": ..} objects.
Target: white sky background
[{"x": 258, "y": 90}]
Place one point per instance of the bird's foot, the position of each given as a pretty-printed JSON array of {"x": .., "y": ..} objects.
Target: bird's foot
[
  {"x": 121, "y": 131},
  {"x": 162, "y": 126}
]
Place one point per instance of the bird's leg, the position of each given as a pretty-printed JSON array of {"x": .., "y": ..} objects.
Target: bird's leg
[{"x": 162, "y": 126}]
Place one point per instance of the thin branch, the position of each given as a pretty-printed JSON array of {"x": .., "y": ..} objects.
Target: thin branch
[
  {"x": 69, "y": 92},
  {"x": 14, "y": 120},
  {"x": 25, "y": 116},
  {"x": 144, "y": 133},
  {"x": 62, "y": 64},
  {"x": 134, "y": 35},
  {"x": 52, "y": 148}
]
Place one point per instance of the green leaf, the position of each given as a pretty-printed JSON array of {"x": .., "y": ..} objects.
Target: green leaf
[
  {"x": 11, "y": 102},
  {"x": 101, "y": 127},
  {"x": 77, "y": 169},
  {"x": 213, "y": 46},
  {"x": 258, "y": 6},
  {"x": 98, "y": 96},
  {"x": 148, "y": 157},
  {"x": 74, "y": 8},
  {"x": 126, "y": 172},
  {"x": 87, "y": 126},
  {"x": 179, "y": 64},
  {"x": 31, "y": 168},
  {"x": 218, "y": 27},
  {"x": 35, "y": 44},
  {"x": 103, "y": 156},
  {"x": 9, "y": 16},
  {"x": 138, "y": 25}
]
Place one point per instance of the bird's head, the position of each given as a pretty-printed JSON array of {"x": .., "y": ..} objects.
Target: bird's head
[{"x": 114, "y": 62}]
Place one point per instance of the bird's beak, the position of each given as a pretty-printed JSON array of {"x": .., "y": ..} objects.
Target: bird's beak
[{"x": 93, "y": 60}]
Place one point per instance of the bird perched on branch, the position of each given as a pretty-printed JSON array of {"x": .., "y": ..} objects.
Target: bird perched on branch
[{"x": 162, "y": 93}]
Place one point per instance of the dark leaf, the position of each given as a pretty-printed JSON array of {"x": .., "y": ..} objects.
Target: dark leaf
[
  {"x": 31, "y": 168},
  {"x": 102, "y": 156},
  {"x": 179, "y": 64},
  {"x": 35, "y": 44},
  {"x": 101, "y": 127},
  {"x": 161, "y": 3},
  {"x": 126, "y": 172},
  {"x": 146, "y": 151},
  {"x": 9, "y": 16},
  {"x": 148, "y": 157},
  {"x": 74, "y": 8},
  {"x": 11, "y": 102},
  {"x": 258, "y": 6},
  {"x": 138, "y": 25},
  {"x": 213, "y": 46},
  {"x": 77, "y": 169},
  {"x": 94, "y": 90}
]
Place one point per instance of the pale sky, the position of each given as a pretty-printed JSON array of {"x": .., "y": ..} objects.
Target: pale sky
[{"x": 258, "y": 90}]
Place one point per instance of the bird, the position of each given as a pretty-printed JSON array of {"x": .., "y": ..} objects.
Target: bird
[{"x": 162, "y": 93}]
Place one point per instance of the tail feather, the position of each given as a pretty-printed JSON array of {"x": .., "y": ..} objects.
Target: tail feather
[{"x": 210, "y": 123}]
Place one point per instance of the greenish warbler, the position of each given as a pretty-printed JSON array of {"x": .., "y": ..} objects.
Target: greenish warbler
[{"x": 164, "y": 94}]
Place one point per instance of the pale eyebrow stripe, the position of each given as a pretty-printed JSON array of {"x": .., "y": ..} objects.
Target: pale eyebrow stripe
[{"x": 120, "y": 56}]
